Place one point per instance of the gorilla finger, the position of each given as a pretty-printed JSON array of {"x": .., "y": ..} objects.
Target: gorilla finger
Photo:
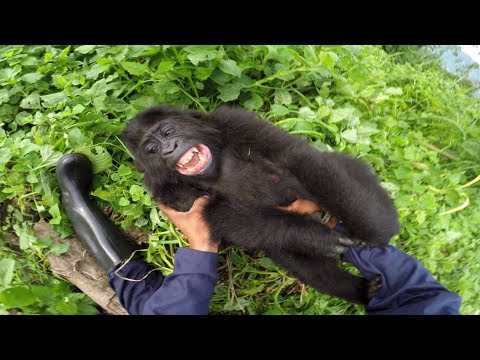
[
  {"x": 374, "y": 286},
  {"x": 346, "y": 241},
  {"x": 339, "y": 249}
]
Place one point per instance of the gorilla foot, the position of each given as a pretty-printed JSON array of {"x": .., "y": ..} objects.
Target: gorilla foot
[{"x": 374, "y": 286}]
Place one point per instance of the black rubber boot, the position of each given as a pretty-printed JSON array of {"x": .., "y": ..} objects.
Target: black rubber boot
[{"x": 101, "y": 237}]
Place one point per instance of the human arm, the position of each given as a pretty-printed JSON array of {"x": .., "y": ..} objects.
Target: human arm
[{"x": 407, "y": 287}]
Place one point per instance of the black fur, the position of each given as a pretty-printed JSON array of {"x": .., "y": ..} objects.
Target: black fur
[{"x": 257, "y": 167}]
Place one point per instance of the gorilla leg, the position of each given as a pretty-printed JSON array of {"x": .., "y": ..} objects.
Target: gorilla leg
[
  {"x": 345, "y": 188},
  {"x": 324, "y": 275}
]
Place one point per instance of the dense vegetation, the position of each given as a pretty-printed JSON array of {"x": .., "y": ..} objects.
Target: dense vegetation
[{"x": 393, "y": 107}]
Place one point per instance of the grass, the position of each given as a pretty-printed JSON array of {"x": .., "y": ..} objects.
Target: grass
[{"x": 393, "y": 107}]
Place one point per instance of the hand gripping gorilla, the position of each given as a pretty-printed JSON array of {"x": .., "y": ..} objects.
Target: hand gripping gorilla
[{"x": 249, "y": 167}]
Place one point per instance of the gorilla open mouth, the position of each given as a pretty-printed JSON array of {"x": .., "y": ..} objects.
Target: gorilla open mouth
[{"x": 194, "y": 161}]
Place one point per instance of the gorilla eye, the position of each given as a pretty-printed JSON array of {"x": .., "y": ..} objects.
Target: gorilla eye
[
  {"x": 168, "y": 132},
  {"x": 152, "y": 148}
]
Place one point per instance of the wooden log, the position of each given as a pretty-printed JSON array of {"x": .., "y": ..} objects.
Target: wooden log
[{"x": 78, "y": 267}]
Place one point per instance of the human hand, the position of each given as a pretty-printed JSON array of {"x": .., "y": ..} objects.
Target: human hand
[
  {"x": 301, "y": 206},
  {"x": 192, "y": 224}
]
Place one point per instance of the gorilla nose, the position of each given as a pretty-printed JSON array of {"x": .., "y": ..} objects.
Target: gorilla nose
[{"x": 166, "y": 151}]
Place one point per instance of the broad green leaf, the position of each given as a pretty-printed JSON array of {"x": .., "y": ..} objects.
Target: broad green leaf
[
  {"x": 7, "y": 267},
  {"x": 306, "y": 113},
  {"x": 76, "y": 138},
  {"x": 200, "y": 53},
  {"x": 350, "y": 135},
  {"x": 5, "y": 155},
  {"x": 66, "y": 308},
  {"x": 84, "y": 49},
  {"x": 230, "y": 91},
  {"x": 102, "y": 160},
  {"x": 279, "y": 110},
  {"x": 124, "y": 171},
  {"x": 394, "y": 91},
  {"x": 136, "y": 192},
  {"x": 254, "y": 103},
  {"x": 32, "y": 178},
  {"x": 4, "y": 96},
  {"x": 282, "y": 97},
  {"x": 58, "y": 248},
  {"x": 6, "y": 74},
  {"x": 164, "y": 67},
  {"x": 230, "y": 67},
  {"x": 42, "y": 293},
  {"x": 134, "y": 68},
  {"x": 85, "y": 309},
  {"x": 31, "y": 78},
  {"x": 123, "y": 201},
  {"x": 56, "y": 215},
  {"x": 203, "y": 73},
  {"x": 52, "y": 100},
  {"x": 16, "y": 297}
]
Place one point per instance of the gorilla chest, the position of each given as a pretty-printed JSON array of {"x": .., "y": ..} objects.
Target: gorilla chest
[{"x": 259, "y": 182}]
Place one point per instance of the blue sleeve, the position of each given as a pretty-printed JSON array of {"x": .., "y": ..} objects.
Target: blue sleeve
[
  {"x": 408, "y": 288},
  {"x": 186, "y": 291}
]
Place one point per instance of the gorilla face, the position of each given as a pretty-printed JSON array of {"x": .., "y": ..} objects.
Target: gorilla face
[
  {"x": 164, "y": 139},
  {"x": 169, "y": 143}
]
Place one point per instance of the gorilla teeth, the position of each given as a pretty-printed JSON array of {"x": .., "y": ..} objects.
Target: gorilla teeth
[{"x": 187, "y": 159}]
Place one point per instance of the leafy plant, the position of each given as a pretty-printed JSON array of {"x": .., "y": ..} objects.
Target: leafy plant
[{"x": 393, "y": 107}]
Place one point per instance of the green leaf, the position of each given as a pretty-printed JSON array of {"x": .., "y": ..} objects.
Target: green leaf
[
  {"x": 5, "y": 155},
  {"x": 124, "y": 171},
  {"x": 123, "y": 201},
  {"x": 134, "y": 68},
  {"x": 279, "y": 110},
  {"x": 203, "y": 73},
  {"x": 254, "y": 103},
  {"x": 31, "y": 78},
  {"x": 200, "y": 53},
  {"x": 43, "y": 293},
  {"x": 347, "y": 114},
  {"x": 59, "y": 248},
  {"x": 164, "y": 67},
  {"x": 66, "y": 308},
  {"x": 4, "y": 96},
  {"x": 32, "y": 178},
  {"x": 394, "y": 91},
  {"x": 52, "y": 100},
  {"x": 306, "y": 113},
  {"x": 6, "y": 74},
  {"x": 84, "y": 49},
  {"x": 85, "y": 309},
  {"x": 282, "y": 97},
  {"x": 7, "y": 267},
  {"x": 136, "y": 192},
  {"x": 55, "y": 212},
  {"x": 230, "y": 91},
  {"x": 76, "y": 138},
  {"x": 350, "y": 135},
  {"x": 402, "y": 172},
  {"x": 16, "y": 297},
  {"x": 102, "y": 160},
  {"x": 230, "y": 67},
  {"x": 32, "y": 101},
  {"x": 103, "y": 194}
]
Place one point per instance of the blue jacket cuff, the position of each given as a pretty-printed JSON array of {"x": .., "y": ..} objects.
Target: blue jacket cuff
[{"x": 189, "y": 261}]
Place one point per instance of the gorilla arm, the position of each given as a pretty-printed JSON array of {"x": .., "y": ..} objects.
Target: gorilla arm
[{"x": 269, "y": 229}]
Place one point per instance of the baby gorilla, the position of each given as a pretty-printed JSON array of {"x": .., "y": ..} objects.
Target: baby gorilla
[{"x": 249, "y": 167}]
